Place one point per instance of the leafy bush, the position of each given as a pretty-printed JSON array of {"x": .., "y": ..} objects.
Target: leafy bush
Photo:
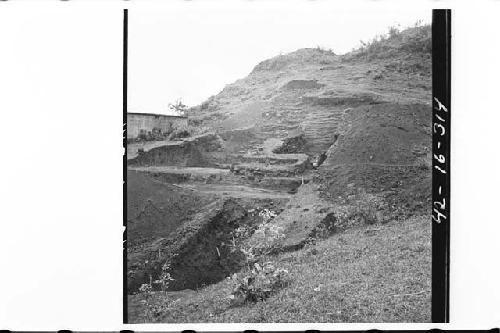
[
  {"x": 266, "y": 234},
  {"x": 258, "y": 283},
  {"x": 165, "y": 278}
]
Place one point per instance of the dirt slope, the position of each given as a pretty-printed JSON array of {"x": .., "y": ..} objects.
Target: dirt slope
[
  {"x": 309, "y": 89},
  {"x": 369, "y": 110}
]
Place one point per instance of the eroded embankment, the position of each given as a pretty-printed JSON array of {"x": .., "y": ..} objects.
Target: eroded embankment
[
  {"x": 191, "y": 152},
  {"x": 201, "y": 251}
]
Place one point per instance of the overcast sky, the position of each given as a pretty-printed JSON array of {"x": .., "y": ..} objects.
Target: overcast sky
[{"x": 192, "y": 49}]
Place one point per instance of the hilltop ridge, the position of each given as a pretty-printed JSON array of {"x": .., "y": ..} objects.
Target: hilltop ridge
[{"x": 308, "y": 90}]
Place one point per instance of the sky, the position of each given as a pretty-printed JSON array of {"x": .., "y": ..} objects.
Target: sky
[{"x": 190, "y": 50}]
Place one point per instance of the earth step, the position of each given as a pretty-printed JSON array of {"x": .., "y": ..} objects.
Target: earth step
[
  {"x": 261, "y": 170},
  {"x": 175, "y": 175},
  {"x": 274, "y": 159}
]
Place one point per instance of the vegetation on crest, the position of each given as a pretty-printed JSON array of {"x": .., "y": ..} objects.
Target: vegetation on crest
[{"x": 414, "y": 40}]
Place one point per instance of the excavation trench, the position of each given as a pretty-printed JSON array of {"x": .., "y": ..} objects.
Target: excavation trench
[{"x": 202, "y": 251}]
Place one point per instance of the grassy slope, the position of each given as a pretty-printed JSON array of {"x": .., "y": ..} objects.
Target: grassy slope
[{"x": 376, "y": 274}]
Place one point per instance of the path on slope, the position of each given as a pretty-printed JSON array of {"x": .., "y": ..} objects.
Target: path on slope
[
  {"x": 216, "y": 186},
  {"x": 236, "y": 191}
]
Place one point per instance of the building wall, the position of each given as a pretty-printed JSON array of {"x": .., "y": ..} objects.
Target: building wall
[{"x": 138, "y": 122}]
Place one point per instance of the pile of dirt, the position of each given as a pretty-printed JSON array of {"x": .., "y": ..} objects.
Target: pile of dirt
[
  {"x": 385, "y": 149},
  {"x": 406, "y": 190},
  {"x": 387, "y": 133}
]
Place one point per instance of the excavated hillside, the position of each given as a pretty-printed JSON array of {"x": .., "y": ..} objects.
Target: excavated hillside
[
  {"x": 311, "y": 144},
  {"x": 368, "y": 112},
  {"x": 308, "y": 91}
]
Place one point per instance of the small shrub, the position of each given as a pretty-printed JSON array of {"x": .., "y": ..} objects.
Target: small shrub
[
  {"x": 258, "y": 283},
  {"x": 267, "y": 235},
  {"x": 393, "y": 32},
  {"x": 165, "y": 278},
  {"x": 154, "y": 308},
  {"x": 150, "y": 310},
  {"x": 242, "y": 232},
  {"x": 267, "y": 214}
]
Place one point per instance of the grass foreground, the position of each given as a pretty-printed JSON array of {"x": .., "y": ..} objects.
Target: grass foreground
[{"x": 377, "y": 273}]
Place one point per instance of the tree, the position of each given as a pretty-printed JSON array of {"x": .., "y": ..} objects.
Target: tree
[{"x": 178, "y": 108}]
